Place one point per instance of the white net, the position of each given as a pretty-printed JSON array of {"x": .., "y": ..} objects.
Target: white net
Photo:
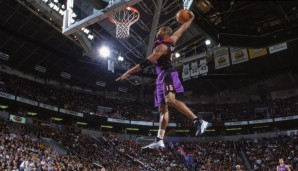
[
  {"x": 122, "y": 30},
  {"x": 187, "y": 4},
  {"x": 123, "y": 20},
  {"x": 111, "y": 3}
]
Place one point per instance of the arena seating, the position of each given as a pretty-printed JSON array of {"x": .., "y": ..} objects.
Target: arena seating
[
  {"x": 264, "y": 153},
  {"x": 128, "y": 109},
  {"x": 20, "y": 149},
  {"x": 21, "y": 144}
]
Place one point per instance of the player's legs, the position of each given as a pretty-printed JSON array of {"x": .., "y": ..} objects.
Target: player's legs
[
  {"x": 178, "y": 105},
  {"x": 173, "y": 85},
  {"x": 200, "y": 125},
  {"x": 164, "y": 97},
  {"x": 163, "y": 122}
]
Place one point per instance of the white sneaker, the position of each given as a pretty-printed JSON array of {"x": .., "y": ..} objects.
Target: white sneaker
[
  {"x": 201, "y": 127},
  {"x": 204, "y": 126},
  {"x": 155, "y": 145}
]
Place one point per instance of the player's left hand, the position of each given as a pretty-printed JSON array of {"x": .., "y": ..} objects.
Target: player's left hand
[
  {"x": 123, "y": 77},
  {"x": 191, "y": 14}
]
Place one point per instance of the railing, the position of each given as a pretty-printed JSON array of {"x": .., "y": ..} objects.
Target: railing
[{"x": 248, "y": 165}]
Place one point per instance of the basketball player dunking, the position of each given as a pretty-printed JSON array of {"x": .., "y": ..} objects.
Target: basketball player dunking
[
  {"x": 282, "y": 166},
  {"x": 167, "y": 82}
]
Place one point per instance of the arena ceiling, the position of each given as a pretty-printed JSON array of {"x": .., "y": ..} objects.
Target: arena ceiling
[
  {"x": 31, "y": 38},
  {"x": 248, "y": 23}
]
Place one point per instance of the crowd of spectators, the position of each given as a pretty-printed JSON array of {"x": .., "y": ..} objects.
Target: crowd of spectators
[
  {"x": 264, "y": 153},
  {"x": 21, "y": 147},
  {"x": 214, "y": 155},
  {"x": 128, "y": 109},
  {"x": 116, "y": 154}
]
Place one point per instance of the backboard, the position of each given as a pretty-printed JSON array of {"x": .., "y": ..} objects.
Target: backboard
[{"x": 82, "y": 13}]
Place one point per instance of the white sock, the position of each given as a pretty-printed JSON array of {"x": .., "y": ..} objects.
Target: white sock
[{"x": 161, "y": 133}]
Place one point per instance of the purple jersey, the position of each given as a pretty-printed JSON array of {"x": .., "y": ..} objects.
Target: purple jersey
[
  {"x": 167, "y": 79},
  {"x": 165, "y": 61},
  {"x": 281, "y": 168}
]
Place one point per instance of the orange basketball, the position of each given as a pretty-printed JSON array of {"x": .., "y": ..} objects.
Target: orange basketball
[{"x": 182, "y": 16}]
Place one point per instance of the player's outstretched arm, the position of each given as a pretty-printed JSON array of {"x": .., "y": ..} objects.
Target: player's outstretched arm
[
  {"x": 159, "y": 51},
  {"x": 177, "y": 34}
]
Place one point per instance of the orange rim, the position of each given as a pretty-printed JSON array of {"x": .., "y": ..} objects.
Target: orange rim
[{"x": 129, "y": 9}]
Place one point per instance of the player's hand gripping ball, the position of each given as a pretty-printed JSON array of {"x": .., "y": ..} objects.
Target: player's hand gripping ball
[{"x": 183, "y": 16}]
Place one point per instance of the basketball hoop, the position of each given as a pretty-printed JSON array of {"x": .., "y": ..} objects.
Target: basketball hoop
[{"x": 123, "y": 20}]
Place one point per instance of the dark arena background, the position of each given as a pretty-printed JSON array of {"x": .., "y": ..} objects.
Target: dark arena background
[{"x": 62, "y": 110}]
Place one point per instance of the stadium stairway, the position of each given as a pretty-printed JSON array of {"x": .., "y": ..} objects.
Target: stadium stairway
[
  {"x": 55, "y": 145},
  {"x": 245, "y": 160}
]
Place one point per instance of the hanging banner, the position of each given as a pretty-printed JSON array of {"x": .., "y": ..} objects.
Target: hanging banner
[
  {"x": 17, "y": 119},
  {"x": 221, "y": 58},
  {"x": 236, "y": 123},
  {"x": 286, "y": 118},
  {"x": 65, "y": 75},
  {"x": 7, "y": 96},
  {"x": 238, "y": 55},
  {"x": 118, "y": 120},
  {"x": 277, "y": 48},
  {"x": 203, "y": 69},
  {"x": 194, "y": 69},
  {"x": 30, "y": 102},
  {"x": 254, "y": 53},
  {"x": 292, "y": 132},
  {"x": 186, "y": 72},
  {"x": 169, "y": 124},
  {"x": 141, "y": 123},
  {"x": 49, "y": 107},
  {"x": 260, "y": 121},
  {"x": 111, "y": 66},
  {"x": 79, "y": 114}
]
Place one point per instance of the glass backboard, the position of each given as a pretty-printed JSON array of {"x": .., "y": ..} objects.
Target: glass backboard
[{"x": 82, "y": 13}]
